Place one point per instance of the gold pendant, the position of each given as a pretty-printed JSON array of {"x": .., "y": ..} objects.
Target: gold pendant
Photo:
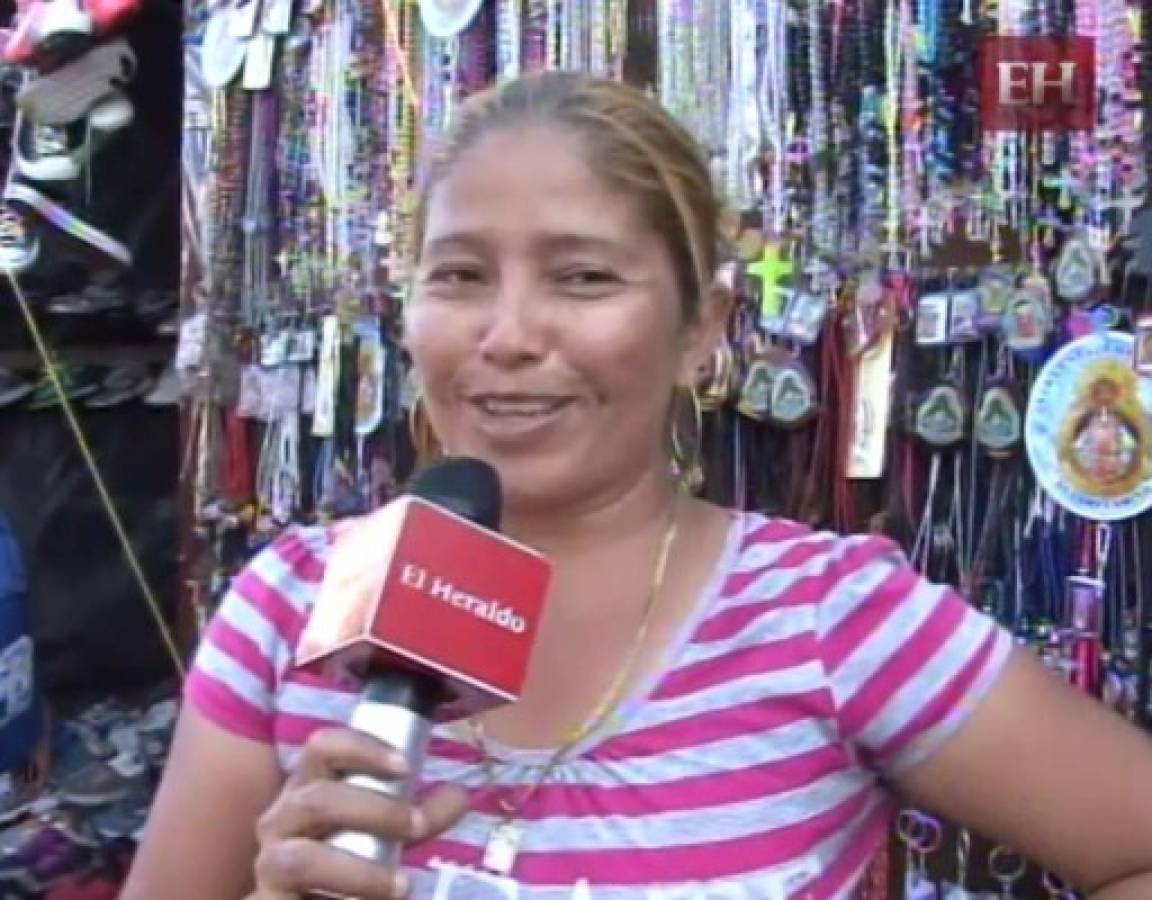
[{"x": 502, "y": 847}]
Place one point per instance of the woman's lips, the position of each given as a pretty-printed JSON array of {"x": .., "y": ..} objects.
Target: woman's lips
[
  {"x": 520, "y": 405},
  {"x": 518, "y": 417}
]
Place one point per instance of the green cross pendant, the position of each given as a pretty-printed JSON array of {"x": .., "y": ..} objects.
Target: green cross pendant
[{"x": 771, "y": 269}]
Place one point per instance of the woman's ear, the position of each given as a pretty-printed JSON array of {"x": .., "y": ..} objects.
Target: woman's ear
[{"x": 703, "y": 336}]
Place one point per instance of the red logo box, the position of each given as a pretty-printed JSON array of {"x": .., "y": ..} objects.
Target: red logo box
[
  {"x": 415, "y": 586},
  {"x": 1038, "y": 83}
]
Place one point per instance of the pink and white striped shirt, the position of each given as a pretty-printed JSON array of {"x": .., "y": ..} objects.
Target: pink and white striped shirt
[{"x": 751, "y": 766}]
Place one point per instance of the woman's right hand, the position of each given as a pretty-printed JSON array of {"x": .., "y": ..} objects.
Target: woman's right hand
[{"x": 294, "y": 860}]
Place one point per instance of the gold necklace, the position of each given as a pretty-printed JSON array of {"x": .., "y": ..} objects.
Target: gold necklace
[{"x": 504, "y": 841}]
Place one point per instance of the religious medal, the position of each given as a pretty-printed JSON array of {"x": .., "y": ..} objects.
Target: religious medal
[
  {"x": 222, "y": 52},
  {"x": 995, "y": 286},
  {"x": 1027, "y": 318},
  {"x": 939, "y": 418},
  {"x": 1087, "y": 431},
  {"x": 276, "y": 17},
  {"x": 872, "y": 314},
  {"x": 259, "y": 59},
  {"x": 999, "y": 420},
  {"x": 771, "y": 270},
  {"x": 273, "y": 349},
  {"x": 1142, "y": 345},
  {"x": 1139, "y": 241},
  {"x": 1076, "y": 270},
  {"x": 1103, "y": 443},
  {"x": 245, "y": 14},
  {"x": 447, "y": 18},
  {"x": 749, "y": 245},
  {"x": 756, "y": 381},
  {"x": 804, "y": 318},
  {"x": 932, "y": 320},
  {"x": 964, "y": 316},
  {"x": 792, "y": 395},
  {"x": 756, "y": 391},
  {"x": 502, "y": 847}
]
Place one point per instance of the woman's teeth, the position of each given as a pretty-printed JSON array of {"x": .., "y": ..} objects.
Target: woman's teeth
[{"x": 524, "y": 408}]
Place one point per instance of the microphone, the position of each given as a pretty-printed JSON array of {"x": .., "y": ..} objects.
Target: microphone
[{"x": 433, "y": 610}]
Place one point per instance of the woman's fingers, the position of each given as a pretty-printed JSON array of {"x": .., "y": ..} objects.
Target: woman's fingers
[
  {"x": 295, "y": 861},
  {"x": 333, "y": 752},
  {"x": 439, "y": 811},
  {"x": 298, "y": 866},
  {"x": 319, "y": 808}
]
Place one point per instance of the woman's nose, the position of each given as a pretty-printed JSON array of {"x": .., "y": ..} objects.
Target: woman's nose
[{"x": 513, "y": 333}]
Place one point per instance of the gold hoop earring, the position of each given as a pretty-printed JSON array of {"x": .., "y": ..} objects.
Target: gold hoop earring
[
  {"x": 687, "y": 453},
  {"x": 424, "y": 443}
]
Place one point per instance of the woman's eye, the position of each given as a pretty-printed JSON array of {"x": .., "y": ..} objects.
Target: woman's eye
[
  {"x": 455, "y": 275},
  {"x": 588, "y": 280}
]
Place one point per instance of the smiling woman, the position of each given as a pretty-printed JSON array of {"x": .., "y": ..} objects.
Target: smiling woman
[
  {"x": 565, "y": 285},
  {"x": 719, "y": 703}
]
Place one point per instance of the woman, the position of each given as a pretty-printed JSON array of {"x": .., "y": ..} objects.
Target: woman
[{"x": 776, "y": 686}]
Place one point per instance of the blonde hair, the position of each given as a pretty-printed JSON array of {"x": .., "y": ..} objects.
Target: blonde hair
[{"x": 634, "y": 144}]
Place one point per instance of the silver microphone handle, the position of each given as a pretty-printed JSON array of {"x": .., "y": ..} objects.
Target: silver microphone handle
[{"x": 406, "y": 731}]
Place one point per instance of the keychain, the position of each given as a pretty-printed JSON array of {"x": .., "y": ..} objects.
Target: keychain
[
  {"x": 922, "y": 836},
  {"x": 1006, "y": 867},
  {"x": 959, "y": 890},
  {"x": 1057, "y": 887}
]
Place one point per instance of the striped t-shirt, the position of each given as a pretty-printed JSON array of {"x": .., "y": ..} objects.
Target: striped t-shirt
[{"x": 751, "y": 766}]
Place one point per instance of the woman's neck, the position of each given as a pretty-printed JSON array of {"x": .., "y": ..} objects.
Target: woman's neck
[{"x": 604, "y": 520}]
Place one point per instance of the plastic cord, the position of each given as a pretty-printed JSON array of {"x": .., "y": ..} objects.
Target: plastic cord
[{"x": 85, "y": 449}]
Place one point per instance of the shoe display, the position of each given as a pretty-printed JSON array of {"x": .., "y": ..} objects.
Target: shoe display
[
  {"x": 77, "y": 839},
  {"x": 15, "y": 801},
  {"x": 68, "y": 852},
  {"x": 95, "y": 298},
  {"x": 49, "y": 152},
  {"x": 48, "y": 28},
  {"x": 123, "y": 383},
  {"x": 19, "y": 247},
  {"x": 86, "y": 240},
  {"x": 50, "y": 850},
  {"x": 109, "y": 15},
  {"x": 154, "y": 303},
  {"x": 76, "y": 382},
  {"x": 168, "y": 391},
  {"x": 68, "y": 93},
  {"x": 13, "y": 389},
  {"x": 112, "y": 113},
  {"x": 86, "y": 886},
  {"x": 97, "y": 784}
]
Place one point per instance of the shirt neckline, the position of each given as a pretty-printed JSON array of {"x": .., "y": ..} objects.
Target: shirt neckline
[{"x": 643, "y": 690}]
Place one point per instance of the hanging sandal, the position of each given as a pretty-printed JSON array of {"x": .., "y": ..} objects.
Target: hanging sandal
[
  {"x": 48, "y": 152},
  {"x": 84, "y": 239},
  {"x": 68, "y": 93},
  {"x": 19, "y": 247},
  {"x": 48, "y": 28},
  {"x": 13, "y": 388},
  {"x": 75, "y": 381}
]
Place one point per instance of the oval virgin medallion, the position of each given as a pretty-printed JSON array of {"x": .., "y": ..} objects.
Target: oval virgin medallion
[{"x": 1088, "y": 431}]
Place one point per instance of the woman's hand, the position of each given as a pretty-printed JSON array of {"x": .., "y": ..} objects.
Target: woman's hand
[{"x": 294, "y": 860}]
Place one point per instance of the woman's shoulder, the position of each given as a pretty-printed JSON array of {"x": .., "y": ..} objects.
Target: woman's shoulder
[
  {"x": 778, "y": 549},
  {"x": 250, "y": 642},
  {"x": 271, "y": 597}
]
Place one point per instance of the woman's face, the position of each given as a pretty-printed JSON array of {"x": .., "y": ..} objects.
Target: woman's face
[{"x": 545, "y": 326}]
